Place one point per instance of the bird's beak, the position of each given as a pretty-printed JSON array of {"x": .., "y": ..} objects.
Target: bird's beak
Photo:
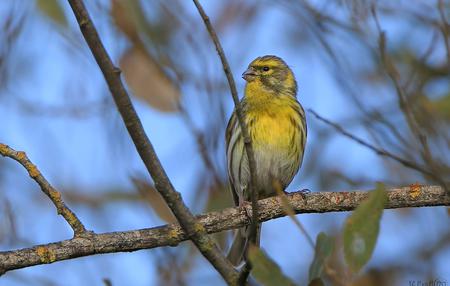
[{"x": 249, "y": 74}]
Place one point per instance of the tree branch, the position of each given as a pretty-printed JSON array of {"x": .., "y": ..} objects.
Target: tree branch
[
  {"x": 240, "y": 115},
  {"x": 71, "y": 218},
  {"x": 194, "y": 230},
  {"x": 230, "y": 218}
]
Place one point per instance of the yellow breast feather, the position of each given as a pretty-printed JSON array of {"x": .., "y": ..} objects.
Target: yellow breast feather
[{"x": 273, "y": 121}]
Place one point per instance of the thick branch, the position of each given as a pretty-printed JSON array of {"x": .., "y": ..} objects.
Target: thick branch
[
  {"x": 19, "y": 156},
  {"x": 231, "y": 218},
  {"x": 195, "y": 231}
]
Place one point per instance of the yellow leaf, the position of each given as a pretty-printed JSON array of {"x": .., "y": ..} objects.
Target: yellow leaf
[{"x": 148, "y": 81}]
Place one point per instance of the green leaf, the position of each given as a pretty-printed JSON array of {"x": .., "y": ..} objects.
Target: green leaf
[
  {"x": 324, "y": 248},
  {"x": 316, "y": 282},
  {"x": 265, "y": 270},
  {"x": 53, "y": 10},
  {"x": 442, "y": 105},
  {"x": 361, "y": 229}
]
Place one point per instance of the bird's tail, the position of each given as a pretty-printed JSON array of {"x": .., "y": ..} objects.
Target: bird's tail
[{"x": 239, "y": 248}]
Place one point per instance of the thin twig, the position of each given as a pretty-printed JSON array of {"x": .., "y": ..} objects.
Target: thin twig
[
  {"x": 381, "y": 152},
  {"x": 404, "y": 104},
  {"x": 195, "y": 231},
  {"x": 445, "y": 30},
  {"x": 240, "y": 116},
  {"x": 63, "y": 210},
  {"x": 213, "y": 222},
  {"x": 394, "y": 76},
  {"x": 202, "y": 147}
]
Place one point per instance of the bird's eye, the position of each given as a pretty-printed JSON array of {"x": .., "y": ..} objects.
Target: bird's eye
[{"x": 266, "y": 68}]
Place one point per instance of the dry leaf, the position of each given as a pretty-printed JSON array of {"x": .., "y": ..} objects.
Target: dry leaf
[
  {"x": 144, "y": 75},
  {"x": 414, "y": 190},
  {"x": 120, "y": 13},
  {"x": 154, "y": 199},
  {"x": 148, "y": 81}
]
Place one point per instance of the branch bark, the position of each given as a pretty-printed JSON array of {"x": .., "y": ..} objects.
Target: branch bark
[
  {"x": 231, "y": 218},
  {"x": 111, "y": 73}
]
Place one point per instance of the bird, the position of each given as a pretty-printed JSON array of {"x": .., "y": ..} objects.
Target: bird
[{"x": 277, "y": 129}]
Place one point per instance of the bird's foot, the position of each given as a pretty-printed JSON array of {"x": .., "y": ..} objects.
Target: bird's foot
[
  {"x": 246, "y": 206},
  {"x": 303, "y": 193}
]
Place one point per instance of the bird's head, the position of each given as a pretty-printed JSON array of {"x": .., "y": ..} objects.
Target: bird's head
[{"x": 272, "y": 74}]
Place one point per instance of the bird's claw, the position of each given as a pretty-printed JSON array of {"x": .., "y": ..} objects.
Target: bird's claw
[
  {"x": 245, "y": 206},
  {"x": 303, "y": 193}
]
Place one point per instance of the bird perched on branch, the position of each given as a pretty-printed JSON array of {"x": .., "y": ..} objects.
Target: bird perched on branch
[{"x": 277, "y": 128}]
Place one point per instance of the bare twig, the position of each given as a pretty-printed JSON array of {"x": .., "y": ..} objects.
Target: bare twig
[
  {"x": 404, "y": 104},
  {"x": 445, "y": 30},
  {"x": 194, "y": 230},
  {"x": 202, "y": 147},
  {"x": 378, "y": 151},
  {"x": 394, "y": 76},
  {"x": 231, "y": 218},
  {"x": 240, "y": 116},
  {"x": 63, "y": 210}
]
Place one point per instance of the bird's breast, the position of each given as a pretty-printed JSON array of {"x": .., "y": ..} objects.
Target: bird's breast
[{"x": 273, "y": 130}]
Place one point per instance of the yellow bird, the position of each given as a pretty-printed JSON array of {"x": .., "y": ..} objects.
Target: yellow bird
[{"x": 277, "y": 128}]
